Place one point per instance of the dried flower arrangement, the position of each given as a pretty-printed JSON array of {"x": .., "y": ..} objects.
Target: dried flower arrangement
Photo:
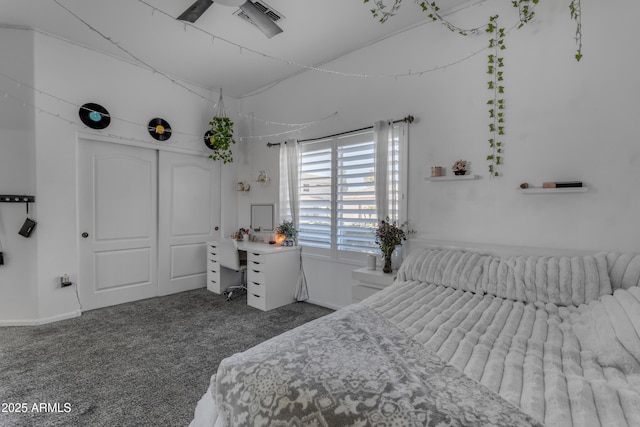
[{"x": 389, "y": 235}]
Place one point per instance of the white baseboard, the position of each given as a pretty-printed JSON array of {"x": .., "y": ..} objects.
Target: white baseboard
[{"x": 42, "y": 321}]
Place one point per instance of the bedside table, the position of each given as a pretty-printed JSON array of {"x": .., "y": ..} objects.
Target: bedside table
[{"x": 368, "y": 282}]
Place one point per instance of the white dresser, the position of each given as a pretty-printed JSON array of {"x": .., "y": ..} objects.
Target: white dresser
[
  {"x": 219, "y": 278},
  {"x": 368, "y": 282},
  {"x": 272, "y": 274}
]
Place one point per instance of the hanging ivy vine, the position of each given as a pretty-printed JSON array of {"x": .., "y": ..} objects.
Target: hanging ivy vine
[
  {"x": 495, "y": 59},
  {"x": 496, "y": 102}
]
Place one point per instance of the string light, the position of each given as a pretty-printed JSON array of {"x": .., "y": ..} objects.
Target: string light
[{"x": 196, "y": 138}]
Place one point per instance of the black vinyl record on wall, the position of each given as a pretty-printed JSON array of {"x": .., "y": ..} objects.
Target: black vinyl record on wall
[
  {"x": 207, "y": 139},
  {"x": 159, "y": 129},
  {"x": 94, "y": 115}
]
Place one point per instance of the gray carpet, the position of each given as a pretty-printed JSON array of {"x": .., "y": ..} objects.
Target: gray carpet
[{"x": 145, "y": 363}]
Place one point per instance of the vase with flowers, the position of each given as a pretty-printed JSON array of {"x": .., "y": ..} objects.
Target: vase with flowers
[
  {"x": 390, "y": 234},
  {"x": 459, "y": 167}
]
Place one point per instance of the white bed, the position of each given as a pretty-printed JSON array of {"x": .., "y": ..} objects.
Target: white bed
[{"x": 460, "y": 338}]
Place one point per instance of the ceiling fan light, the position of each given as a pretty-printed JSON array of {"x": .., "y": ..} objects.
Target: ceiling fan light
[{"x": 232, "y": 3}]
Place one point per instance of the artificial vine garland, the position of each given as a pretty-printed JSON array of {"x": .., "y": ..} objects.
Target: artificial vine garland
[{"x": 495, "y": 60}]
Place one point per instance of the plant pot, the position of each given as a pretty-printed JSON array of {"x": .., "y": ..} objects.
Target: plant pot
[{"x": 459, "y": 172}]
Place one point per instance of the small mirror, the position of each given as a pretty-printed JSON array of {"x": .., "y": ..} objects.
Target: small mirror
[{"x": 262, "y": 217}]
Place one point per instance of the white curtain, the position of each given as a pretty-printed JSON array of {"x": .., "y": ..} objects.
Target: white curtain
[
  {"x": 289, "y": 201},
  {"x": 381, "y": 133}
]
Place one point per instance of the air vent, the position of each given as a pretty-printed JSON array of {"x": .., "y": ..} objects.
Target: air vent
[{"x": 271, "y": 13}]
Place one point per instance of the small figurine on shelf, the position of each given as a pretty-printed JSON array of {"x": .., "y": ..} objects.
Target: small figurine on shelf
[{"x": 459, "y": 167}]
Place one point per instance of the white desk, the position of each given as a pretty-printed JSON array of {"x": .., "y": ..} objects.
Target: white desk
[{"x": 272, "y": 273}]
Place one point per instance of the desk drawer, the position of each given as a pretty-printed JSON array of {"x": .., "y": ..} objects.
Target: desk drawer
[
  {"x": 256, "y": 276},
  {"x": 213, "y": 285},
  {"x": 255, "y": 265},
  {"x": 255, "y": 257},
  {"x": 255, "y": 288},
  {"x": 256, "y": 301}
]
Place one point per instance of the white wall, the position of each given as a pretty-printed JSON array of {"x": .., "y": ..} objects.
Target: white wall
[
  {"x": 565, "y": 121},
  {"x": 75, "y": 76},
  {"x": 18, "y": 289}
]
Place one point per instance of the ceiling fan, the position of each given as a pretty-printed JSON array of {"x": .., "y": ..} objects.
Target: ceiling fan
[{"x": 259, "y": 19}]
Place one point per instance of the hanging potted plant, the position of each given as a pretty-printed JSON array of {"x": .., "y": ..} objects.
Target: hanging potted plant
[{"x": 220, "y": 137}]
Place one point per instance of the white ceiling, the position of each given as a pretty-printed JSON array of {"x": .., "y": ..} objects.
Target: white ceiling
[{"x": 315, "y": 32}]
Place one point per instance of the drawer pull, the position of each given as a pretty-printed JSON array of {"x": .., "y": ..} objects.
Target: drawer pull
[
  {"x": 257, "y": 296},
  {"x": 256, "y": 254},
  {"x": 255, "y": 283},
  {"x": 255, "y": 262}
]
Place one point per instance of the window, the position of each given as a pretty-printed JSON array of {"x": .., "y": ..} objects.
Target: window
[{"x": 337, "y": 194}]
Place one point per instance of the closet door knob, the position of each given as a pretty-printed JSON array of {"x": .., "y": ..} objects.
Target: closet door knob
[{"x": 85, "y": 235}]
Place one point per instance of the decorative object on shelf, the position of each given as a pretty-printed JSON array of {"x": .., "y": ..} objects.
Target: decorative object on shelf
[
  {"x": 159, "y": 129},
  {"x": 94, "y": 115},
  {"x": 562, "y": 184},
  {"x": 263, "y": 177},
  {"x": 287, "y": 228},
  {"x": 243, "y": 186},
  {"x": 554, "y": 187},
  {"x": 436, "y": 171},
  {"x": 220, "y": 136},
  {"x": 459, "y": 167},
  {"x": 389, "y": 235}
]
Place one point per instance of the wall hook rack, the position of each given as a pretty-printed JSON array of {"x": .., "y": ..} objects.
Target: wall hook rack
[{"x": 11, "y": 198}]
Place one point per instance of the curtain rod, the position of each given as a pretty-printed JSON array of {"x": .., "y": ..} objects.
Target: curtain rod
[{"x": 408, "y": 119}]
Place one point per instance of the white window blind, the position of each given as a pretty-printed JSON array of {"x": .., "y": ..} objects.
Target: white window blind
[
  {"x": 337, "y": 191},
  {"x": 355, "y": 193},
  {"x": 316, "y": 198}
]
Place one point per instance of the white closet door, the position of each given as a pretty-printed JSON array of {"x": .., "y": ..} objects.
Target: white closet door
[
  {"x": 117, "y": 202},
  {"x": 189, "y": 216}
]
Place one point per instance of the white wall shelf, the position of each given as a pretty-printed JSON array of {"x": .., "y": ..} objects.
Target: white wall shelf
[
  {"x": 540, "y": 190},
  {"x": 451, "y": 178}
]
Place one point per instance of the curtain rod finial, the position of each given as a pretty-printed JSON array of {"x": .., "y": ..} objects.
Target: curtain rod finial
[{"x": 409, "y": 119}]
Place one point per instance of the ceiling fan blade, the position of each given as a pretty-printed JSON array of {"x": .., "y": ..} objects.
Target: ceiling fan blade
[
  {"x": 195, "y": 10},
  {"x": 262, "y": 21}
]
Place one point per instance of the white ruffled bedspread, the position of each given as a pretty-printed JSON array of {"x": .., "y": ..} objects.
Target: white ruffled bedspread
[{"x": 545, "y": 333}]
